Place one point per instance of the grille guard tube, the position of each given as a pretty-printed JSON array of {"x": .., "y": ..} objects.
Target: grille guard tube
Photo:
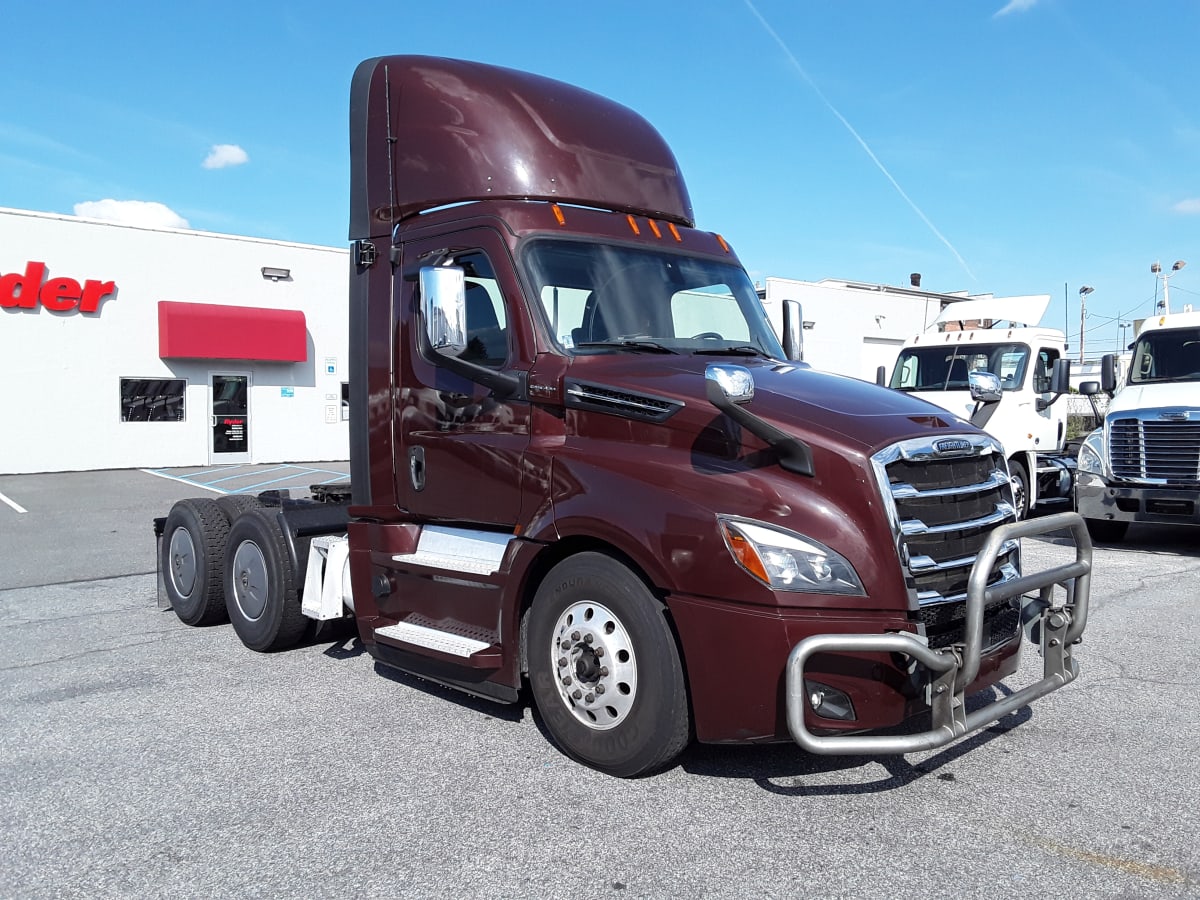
[{"x": 954, "y": 668}]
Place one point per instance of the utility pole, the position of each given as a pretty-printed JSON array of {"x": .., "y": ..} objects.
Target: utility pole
[
  {"x": 1165, "y": 276},
  {"x": 1083, "y": 292}
]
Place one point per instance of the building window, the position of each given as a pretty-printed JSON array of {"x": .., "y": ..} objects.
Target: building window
[{"x": 152, "y": 399}]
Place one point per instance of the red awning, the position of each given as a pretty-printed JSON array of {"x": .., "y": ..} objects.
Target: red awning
[{"x": 208, "y": 331}]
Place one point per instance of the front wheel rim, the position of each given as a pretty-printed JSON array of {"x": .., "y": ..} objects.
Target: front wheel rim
[{"x": 591, "y": 655}]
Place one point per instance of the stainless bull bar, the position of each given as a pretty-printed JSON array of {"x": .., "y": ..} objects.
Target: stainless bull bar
[{"x": 1057, "y": 625}]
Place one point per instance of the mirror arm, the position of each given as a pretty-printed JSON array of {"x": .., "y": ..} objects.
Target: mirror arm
[
  {"x": 505, "y": 385},
  {"x": 794, "y": 455}
]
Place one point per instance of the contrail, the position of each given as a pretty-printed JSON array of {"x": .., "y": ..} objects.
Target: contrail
[{"x": 850, "y": 128}]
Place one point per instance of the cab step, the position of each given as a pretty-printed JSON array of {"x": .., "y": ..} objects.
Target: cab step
[{"x": 475, "y": 653}]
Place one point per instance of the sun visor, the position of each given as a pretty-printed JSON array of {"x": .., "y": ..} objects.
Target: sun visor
[{"x": 1018, "y": 310}]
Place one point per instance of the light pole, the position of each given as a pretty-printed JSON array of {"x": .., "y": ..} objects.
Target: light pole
[
  {"x": 1083, "y": 292},
  {"x": 1165, "y": 276},
  {"x": 1121, "y": 326}
]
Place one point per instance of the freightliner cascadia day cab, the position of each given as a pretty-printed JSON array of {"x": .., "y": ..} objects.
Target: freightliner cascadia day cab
[
  {"x": 586, "y": 474},
  {"x": 1143, "y": 463},
  {"x": 1017, "y": 403}
]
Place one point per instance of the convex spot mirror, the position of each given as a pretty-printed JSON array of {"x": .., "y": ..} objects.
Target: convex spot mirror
[
  {"x": 985, "y": 386},
  {"x": 444, "y": 308},
  {"x": 732, "y": 383}
]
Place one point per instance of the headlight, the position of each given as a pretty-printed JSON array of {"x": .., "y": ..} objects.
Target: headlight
[
  {"x": 787, "y": 561},
  {"x": 1091, "y": 454}
]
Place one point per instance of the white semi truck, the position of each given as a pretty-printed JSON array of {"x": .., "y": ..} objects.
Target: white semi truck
[
  {"x": 949, "y": 365},
  {"x": 1143, "y": 463}
]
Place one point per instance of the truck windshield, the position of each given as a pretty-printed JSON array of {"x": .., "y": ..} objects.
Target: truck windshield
[
  {"x": 601, "y": 298},
  {"x": 1172, "y": 355},
  {"x": 946, "y": 368}
]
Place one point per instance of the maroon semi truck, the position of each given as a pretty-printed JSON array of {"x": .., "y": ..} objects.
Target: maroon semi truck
[{"x": 586, "y": 473}]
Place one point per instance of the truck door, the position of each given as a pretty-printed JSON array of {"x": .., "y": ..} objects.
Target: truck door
[
  {"x": 1050, "y": 424},
  {"x": 459, "y": 445}
]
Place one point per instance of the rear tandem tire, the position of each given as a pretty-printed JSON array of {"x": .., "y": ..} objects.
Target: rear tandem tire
[
  {"x": 192, "y": 558},
  {"x": 595, "y": 624},
  {"x": 260, "y": 586},
  {"x": 233, "y": 505}
]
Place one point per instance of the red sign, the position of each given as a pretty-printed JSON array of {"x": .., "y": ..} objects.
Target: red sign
[{"x": 25, "y": 290}]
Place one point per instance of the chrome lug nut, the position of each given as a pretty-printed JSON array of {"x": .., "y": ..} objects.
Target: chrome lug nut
[
  {"x": 587, "y": 638},
  {"x": 566, "y": 679},
  {"x": 589, "y": 698},
  {"x": 577, "y": 693},
  {"x": 599, "y": 689},
  {"x": 574, "y": 635},
  {"x": 599, "y": 651}
]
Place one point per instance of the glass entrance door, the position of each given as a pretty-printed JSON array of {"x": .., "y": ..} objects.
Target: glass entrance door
[{"x": 229, "y": 436}]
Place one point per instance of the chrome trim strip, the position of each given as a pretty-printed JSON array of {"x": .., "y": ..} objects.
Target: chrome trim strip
[
  {"x": 1002, "y": 512},
  {"x": 579, "y": 392},
  {"x": 907, "y": 491}
]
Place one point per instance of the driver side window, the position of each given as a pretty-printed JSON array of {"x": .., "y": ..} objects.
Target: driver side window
[
  {"x": 487, "y": 323},
  {"x": 1042, "y": 367}
]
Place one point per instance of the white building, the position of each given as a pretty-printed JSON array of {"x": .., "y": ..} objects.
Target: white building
[{"x": 132, "y": 347}]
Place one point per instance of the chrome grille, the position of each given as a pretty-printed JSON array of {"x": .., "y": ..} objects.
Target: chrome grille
[
  {"x": 942, "y": 508},
  {"x": 1154, "y": 448}
]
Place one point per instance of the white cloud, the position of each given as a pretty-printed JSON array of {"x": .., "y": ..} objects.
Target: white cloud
[
  {"x": 222, "y": 156},
  {"x": 145, "y": 213},
  {"x": 1015, "y": 6},
  {"x": 1188, "y": 207}
]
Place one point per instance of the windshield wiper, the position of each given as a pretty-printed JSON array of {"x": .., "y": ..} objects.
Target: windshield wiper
[
  {"x": 646, "y": 346},
  {"x": 739, "y": 350}
]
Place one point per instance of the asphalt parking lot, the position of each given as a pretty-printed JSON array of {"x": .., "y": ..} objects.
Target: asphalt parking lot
[{"x": 142, "y": 758}]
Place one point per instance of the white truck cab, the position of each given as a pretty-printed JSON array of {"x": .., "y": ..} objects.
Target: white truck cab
[
  {"x": 996, "y": 335},
  {"x": 1143, "y": 463}
]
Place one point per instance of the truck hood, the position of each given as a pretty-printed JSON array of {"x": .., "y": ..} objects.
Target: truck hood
[
  {"x": 958, "y": 402},
  {"x": 819, "y": 407},
  {"x": 1154, "y": 396}
]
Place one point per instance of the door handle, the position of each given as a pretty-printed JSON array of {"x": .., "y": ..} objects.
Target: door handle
[{"x": 416, "y": 467}]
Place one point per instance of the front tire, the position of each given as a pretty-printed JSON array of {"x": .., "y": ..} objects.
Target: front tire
[
  {"x": 1020, "y": 487},
  {"x": 191, "y": 558},
  {"x": 260, "y": 586},
  {"x": 604, "y": 668}
]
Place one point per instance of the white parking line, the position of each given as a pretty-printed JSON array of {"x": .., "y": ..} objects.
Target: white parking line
[
  {"x": 184, "y": 481},
  {"x": 14, "y": 504}
]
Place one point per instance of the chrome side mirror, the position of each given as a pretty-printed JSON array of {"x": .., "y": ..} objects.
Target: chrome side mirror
[
  {"x": 732, "y": 383},
  {"x": 444, "y": 308},
  {"x": 985, "y": 387}
]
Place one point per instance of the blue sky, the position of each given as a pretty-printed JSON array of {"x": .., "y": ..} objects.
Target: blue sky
[{"x": 1013, "y": 147}]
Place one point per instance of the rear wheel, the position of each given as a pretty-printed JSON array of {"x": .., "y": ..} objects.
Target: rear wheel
[
  {"x": 233, "y": 505},
  {"x": 604, "y": 669},
  {"x": 191, "y": 559},
  {"x": 1106, "y": 530},
  {"x": 260, "y": 586},
  {"x": 1020, "y": 486}
]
